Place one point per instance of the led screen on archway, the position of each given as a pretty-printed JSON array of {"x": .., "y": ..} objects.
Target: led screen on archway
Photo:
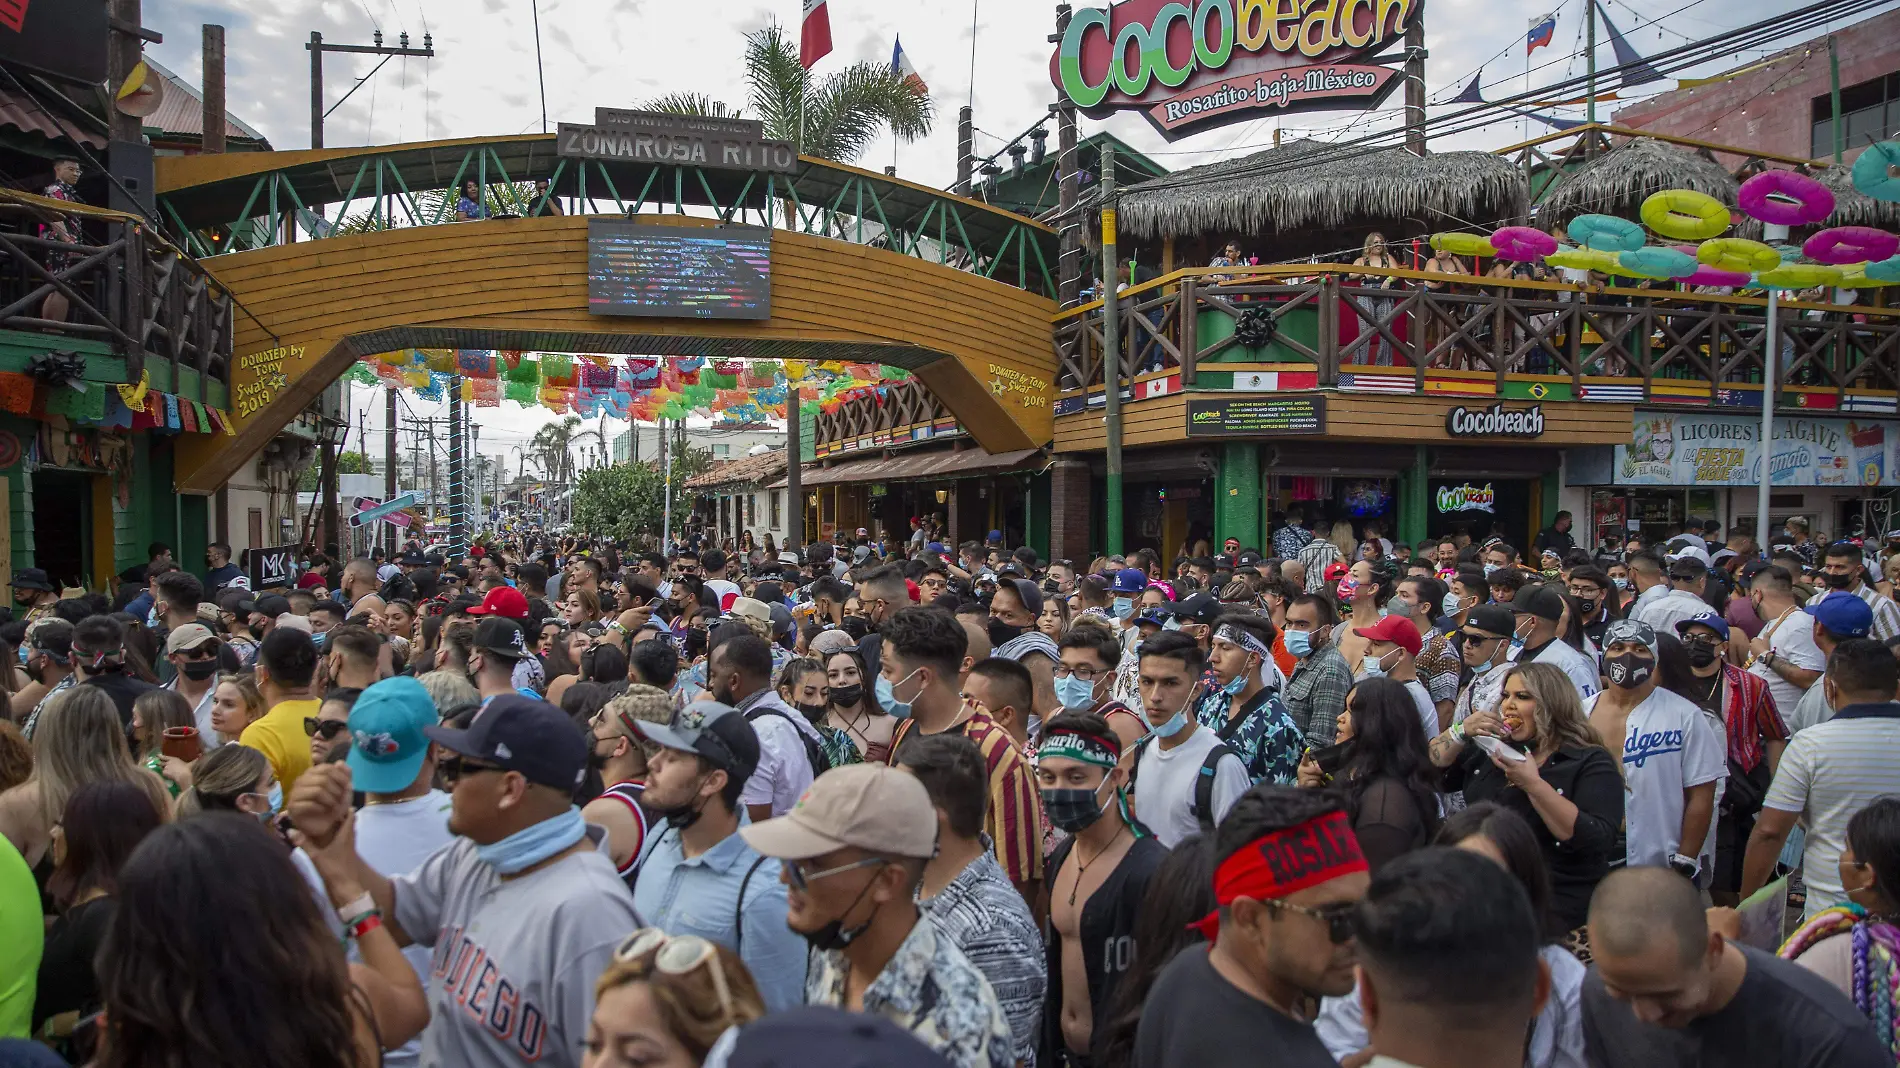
[{"x": 679, "y": 272}]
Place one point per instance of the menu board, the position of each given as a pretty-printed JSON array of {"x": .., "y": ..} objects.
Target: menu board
[
  {"x": 1255, "y": 416},
  {"x": 680, "y": 272}
]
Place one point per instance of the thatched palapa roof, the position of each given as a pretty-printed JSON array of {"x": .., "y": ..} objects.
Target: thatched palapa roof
[
  {"x": 1309, "y": 185},
  {"x": 1618, "y": 181},
  {"x": 1855, "y": 208}
]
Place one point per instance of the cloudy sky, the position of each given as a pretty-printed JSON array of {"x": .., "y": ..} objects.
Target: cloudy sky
[{"x": 623, "y": 52}]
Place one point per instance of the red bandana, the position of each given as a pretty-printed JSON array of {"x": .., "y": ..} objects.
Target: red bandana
[{"x": 1285, "y": 862}]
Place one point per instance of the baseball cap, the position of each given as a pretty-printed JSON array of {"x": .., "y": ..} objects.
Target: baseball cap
[
  {"x": 412, "y": 558},
  {"x": 817, "y": 1035},
  {"x": 519, "y": 734},
  {"x": 1249, "y": 558},
  {"x": 1197, "y": 608},
  {"x": 1540, "y": 601},
  {"x": 996, "y": 537},
  {"x": 500, "y": 637},
  {"x": 1027, "y": 592},
  {"x": 873, "y": 807},
  {"x": 387, "y": 744},
  {"x": 1753, "y": 568},
  {"x": 1395, "y": 629},
  {"x": 1157, "y": 616},
  {"x": 271, "y": 604},
  {"x": 934, "y": 547},
  {"x": 715, "y": 731},
  {"x": 189, "y": 636},
  {"x": 1629, "y": 630},
  {"x": 788, "y": 557},
  {"x": 387, "y": 572},
  {"x": 1131, "y": 580},
  {"x": 503, "y": 601},
  {"x": 1707, "y": 619},
  {"x": 32, "y": 578},
  {"x": 1690, "y": 552},
  {"x": 1492, "y": 619},
  {"x": 1843, "y": 615}
]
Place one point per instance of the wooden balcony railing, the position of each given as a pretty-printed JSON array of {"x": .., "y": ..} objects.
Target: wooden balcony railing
[
  {"x": 1656, "y": 345},
  {"x": 124, "y": 285},
  {"x": 909, "y": 412}
]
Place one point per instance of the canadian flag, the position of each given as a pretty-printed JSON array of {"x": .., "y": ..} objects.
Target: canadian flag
[{"x": 814, "y": 36}]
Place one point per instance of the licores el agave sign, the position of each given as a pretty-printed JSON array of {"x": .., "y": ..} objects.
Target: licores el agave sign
[{"x": 1190, "y": 66}]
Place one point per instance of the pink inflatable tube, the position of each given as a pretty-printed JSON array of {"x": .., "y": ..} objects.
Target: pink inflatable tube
[
  {"x": 1767, "y": 197},
  {"x": 1850, "y": 244},
  {"x": 1525, "y": 244}
]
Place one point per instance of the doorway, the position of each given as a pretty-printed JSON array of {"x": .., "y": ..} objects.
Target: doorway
[{"x": 62, "y": 525}]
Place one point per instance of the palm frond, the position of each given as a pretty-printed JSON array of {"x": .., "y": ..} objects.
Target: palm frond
[
  {"x": 775, "y": 81},
  {"x": 850, "y": 108},
  {"x": 699, "y": 105}
]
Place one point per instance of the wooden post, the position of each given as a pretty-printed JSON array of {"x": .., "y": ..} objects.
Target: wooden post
[
  {"x": 316, "y": 89},
  {"x": 1187, "y": 330},
  {"x": 1328, "y": 337},
  {"x": 794, "y": 473},
  {"x": 124, "y": 48},
  {"x": 1415, "y": 84},
  {"x": 213, "y": 137}
]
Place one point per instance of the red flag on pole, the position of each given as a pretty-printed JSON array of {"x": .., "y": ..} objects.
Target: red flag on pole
[{"x": 814, "y": 36}]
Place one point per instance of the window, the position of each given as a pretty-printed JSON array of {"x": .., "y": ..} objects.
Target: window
[
  {"x": 751, "y": 509},
  {"x": 777, "y": 507},
  {"x": 1870, "y": 111},
  {"x": 721, "y": 452}
]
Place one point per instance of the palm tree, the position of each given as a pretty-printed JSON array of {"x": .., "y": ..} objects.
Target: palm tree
[
  {"x": 843, "y": 112},
  {"x": 550, "y": 446}
]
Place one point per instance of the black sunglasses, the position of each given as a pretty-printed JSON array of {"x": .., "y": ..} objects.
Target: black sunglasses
[
  {"x": 1337, "y": 917},
  {"x": 324, "y": 728},
  {"x": 455, "y": 767}
]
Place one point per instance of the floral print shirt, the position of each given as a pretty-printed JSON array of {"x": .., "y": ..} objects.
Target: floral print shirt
[{"x": 930, "y": 989}]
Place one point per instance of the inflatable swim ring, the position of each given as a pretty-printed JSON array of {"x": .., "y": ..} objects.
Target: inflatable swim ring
[
  {"x": 1606, "y": 233},
  {"x": 1887, "y": 270},
  {"x": 1706, "y": 275},
  {"x": 1799, "y": 276},
  {"x": 1850, "y": 244},
  {"x": 1583, "y": 259},
  {"x": 1785, "y": 198},
  {"x": 1463, "y": 244},
  {"x": 1661, "y": 264},
  {"x": 1873, "y": 171},
  {"x": 1685, "y": 215},
  {"x": 1523, "y": 244},
  {"x": 1738, "y": 255}
]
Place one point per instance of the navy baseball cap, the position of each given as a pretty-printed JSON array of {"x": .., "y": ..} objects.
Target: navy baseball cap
[
  {"x": 818, "y": 1036},
  {"x": 1197, "y": 608},
  {"x": 1843, "y": 614},
  {"x": 387, "y": 744},
  {"x": 524, "y": 735},
  {"x": 1131, "y": 580},
  {"x": 1707, "y": 619}
]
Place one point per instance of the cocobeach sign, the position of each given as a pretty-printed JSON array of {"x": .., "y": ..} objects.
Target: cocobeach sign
[
  {"x": 1496, "y": 421},
  {"x": 1194, "y": 66}
]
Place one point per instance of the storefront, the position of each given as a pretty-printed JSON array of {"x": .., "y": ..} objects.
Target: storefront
[
  {"x": 967, "y": 491},
  {"x": 1838, "y": 473}
]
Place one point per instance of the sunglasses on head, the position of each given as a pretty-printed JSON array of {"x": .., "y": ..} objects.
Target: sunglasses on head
[{"x": 678, "y": 955}]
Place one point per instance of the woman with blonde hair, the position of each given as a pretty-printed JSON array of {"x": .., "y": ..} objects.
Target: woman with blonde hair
[
  {"x": 230, "y": 778},
  {"x": 1377, "y": 350},
  {"x": 665, "y": 1002},
  {"x": 1536, "y": 754},
  {"x": 580, "y": 607},
  {"x": 79, "y": 740},
  {"x": 235, "y": 705}
]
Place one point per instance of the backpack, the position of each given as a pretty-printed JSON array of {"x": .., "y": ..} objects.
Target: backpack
[
  {"x": 820, "y": 763},
  {"x": 1203, "y": 804}
]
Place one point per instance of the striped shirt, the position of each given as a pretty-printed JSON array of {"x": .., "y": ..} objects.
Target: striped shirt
[
  {"x": 1829, "y": 772},
  {"x": 989, "y": 921},
  {"x": 1014, "y": 820},
  {"x": 1886, "y": 613}
]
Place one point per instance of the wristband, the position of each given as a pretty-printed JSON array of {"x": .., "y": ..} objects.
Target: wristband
[
  {"x": 351, "y": 911},
  {"x": 1457, "y": 731},
  {"x": 365, "y": 924}
]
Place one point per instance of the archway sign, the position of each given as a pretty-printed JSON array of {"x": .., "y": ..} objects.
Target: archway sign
[{"x": 1227, "y": 61}]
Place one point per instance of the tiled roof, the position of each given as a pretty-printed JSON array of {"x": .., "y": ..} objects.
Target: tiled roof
[{"x": 747, "y": 469}]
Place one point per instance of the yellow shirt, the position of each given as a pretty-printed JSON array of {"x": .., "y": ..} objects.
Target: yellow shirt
[{"x": 279, "y": 735}]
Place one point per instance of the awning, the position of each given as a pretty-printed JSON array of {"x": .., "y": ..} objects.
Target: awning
[{"x": 935, "y": 466}]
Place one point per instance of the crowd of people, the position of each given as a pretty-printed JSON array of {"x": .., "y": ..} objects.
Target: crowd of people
[{"x": 1342, "y": 802}]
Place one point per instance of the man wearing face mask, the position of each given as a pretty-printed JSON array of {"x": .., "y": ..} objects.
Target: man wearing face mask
[
  {"x": 33, "y": 594},
  {"x": 701, "y": 876},
  {"x": 1739, "y": 705},
  {"x": 1187, "y": 777},
  {"x": 1538, "y": 612},
  {"x": 880, "y": 593},
  {"x": 498, "y": 645},
  {"x": 522, "y": 908},
  {"x": 1245, "y": 710},
  {"x": 49, "y": 667},
  {"x": 1392, "y": 648},
  {"x": 853, "y": 854},
  {"x": 1672, "y": 756},
  {"x": 1013, "y": 636},
  {"x": 1101, "y": 876},
  {"x": 1289, "y": 879},
  {"x": 1126, "y": 590},
  {"x": 619, "y": 752},
  {"x": 1085, "y": 681},
  {"x": 1316, "y": 691},
  {"x": 1484, "y": 646},
  {"x": 193, "y": 652},
  {"x": 1844, "y": 569}
]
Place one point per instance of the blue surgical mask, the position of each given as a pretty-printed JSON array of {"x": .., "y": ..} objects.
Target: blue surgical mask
[
  {"x": 887, "y": 696},
  {"x": 1075, "y": 694},
  {"x": 276, "y": 796},
  {"x": 532, "y": 845},
  {"x": 1175, "y": 725},
  {"x": 1371, "y": 667},
  {"x": 1233, "y": 688},
  {"x": 1124, "y": 607},
  {"x": 1620, "y": 582},
  {"x": 1491, "y": 569},
  {"x": 1452, "y": 604},
  {"x": 21, "y": 653},
  {"x": 1299, "y": 643}
]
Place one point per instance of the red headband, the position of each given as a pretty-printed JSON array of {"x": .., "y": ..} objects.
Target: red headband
[{"x": 1285, "y": 862}]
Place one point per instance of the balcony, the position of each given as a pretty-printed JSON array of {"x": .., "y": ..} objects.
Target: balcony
[
  {"x": 1312, "y": 327},
  {"x": 907, "y": 412},
  {"x": 130, "y": 295}
]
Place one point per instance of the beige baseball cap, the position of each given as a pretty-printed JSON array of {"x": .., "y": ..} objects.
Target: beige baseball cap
[{"x": 873, "y": 807}]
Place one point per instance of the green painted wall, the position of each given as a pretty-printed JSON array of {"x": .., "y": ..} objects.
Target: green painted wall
[
  {"x": 17, "y": 347},
  {"x": 1238, "y": 491},
  {"x": 1038, "y": 504}
]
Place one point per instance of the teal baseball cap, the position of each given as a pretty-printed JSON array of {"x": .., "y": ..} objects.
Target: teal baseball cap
[{"x": 387, "y": 745}]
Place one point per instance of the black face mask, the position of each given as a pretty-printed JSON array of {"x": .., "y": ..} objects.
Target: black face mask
[
  {"x": 683, "y": 816},
  {"x": 1838, "y": 582},
  {"x": 846, "y": 696},
  {"x": 1001, "y": 632},
  {"x": 1627, "y": 670},
  {"x": 198, "y": 670},
  {"x": 815, "y": 713},
  {"x": 1700, "y": 654},
  {"x": 1587, "y": 605},
  {"x": 833, "y": 935}
]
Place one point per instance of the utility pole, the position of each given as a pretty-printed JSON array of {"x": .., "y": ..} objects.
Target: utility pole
[
  {"x": 666, "y": 490},
  {"x": 794, "y": 473},
  {"x": 1415, "y": 84},
  {"x": 1590, "y": 76},
  {"x": 1068, "y": 190},
  {"x": 1834, "y": 99},
  {"x": 125, "y": 47},
  {"x": 390, "y": 487},
  {"x": 1111, "y": 359},
  {"x": 966, "y": 149},
  {"x": 213, "y": 138},
  {"x": 458, "y": 516},
  {"x": 317, "y": 48}
]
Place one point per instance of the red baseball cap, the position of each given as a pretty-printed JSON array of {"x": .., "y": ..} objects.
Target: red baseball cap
[
  {"x": 1398, "y": 630},
  {"x": 504, "y": 601}
]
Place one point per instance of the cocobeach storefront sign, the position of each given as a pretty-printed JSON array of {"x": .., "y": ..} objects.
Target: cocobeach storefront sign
[
  {"x": 1496, "y": 421},
  {"x": 1194, "y": 66}
]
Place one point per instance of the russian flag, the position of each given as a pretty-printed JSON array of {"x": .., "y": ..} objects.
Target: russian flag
[
  {"x": 814, "y": 34},
  {"x": 905, "y": 70},
  {"x": 1542, "y": 30}
]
